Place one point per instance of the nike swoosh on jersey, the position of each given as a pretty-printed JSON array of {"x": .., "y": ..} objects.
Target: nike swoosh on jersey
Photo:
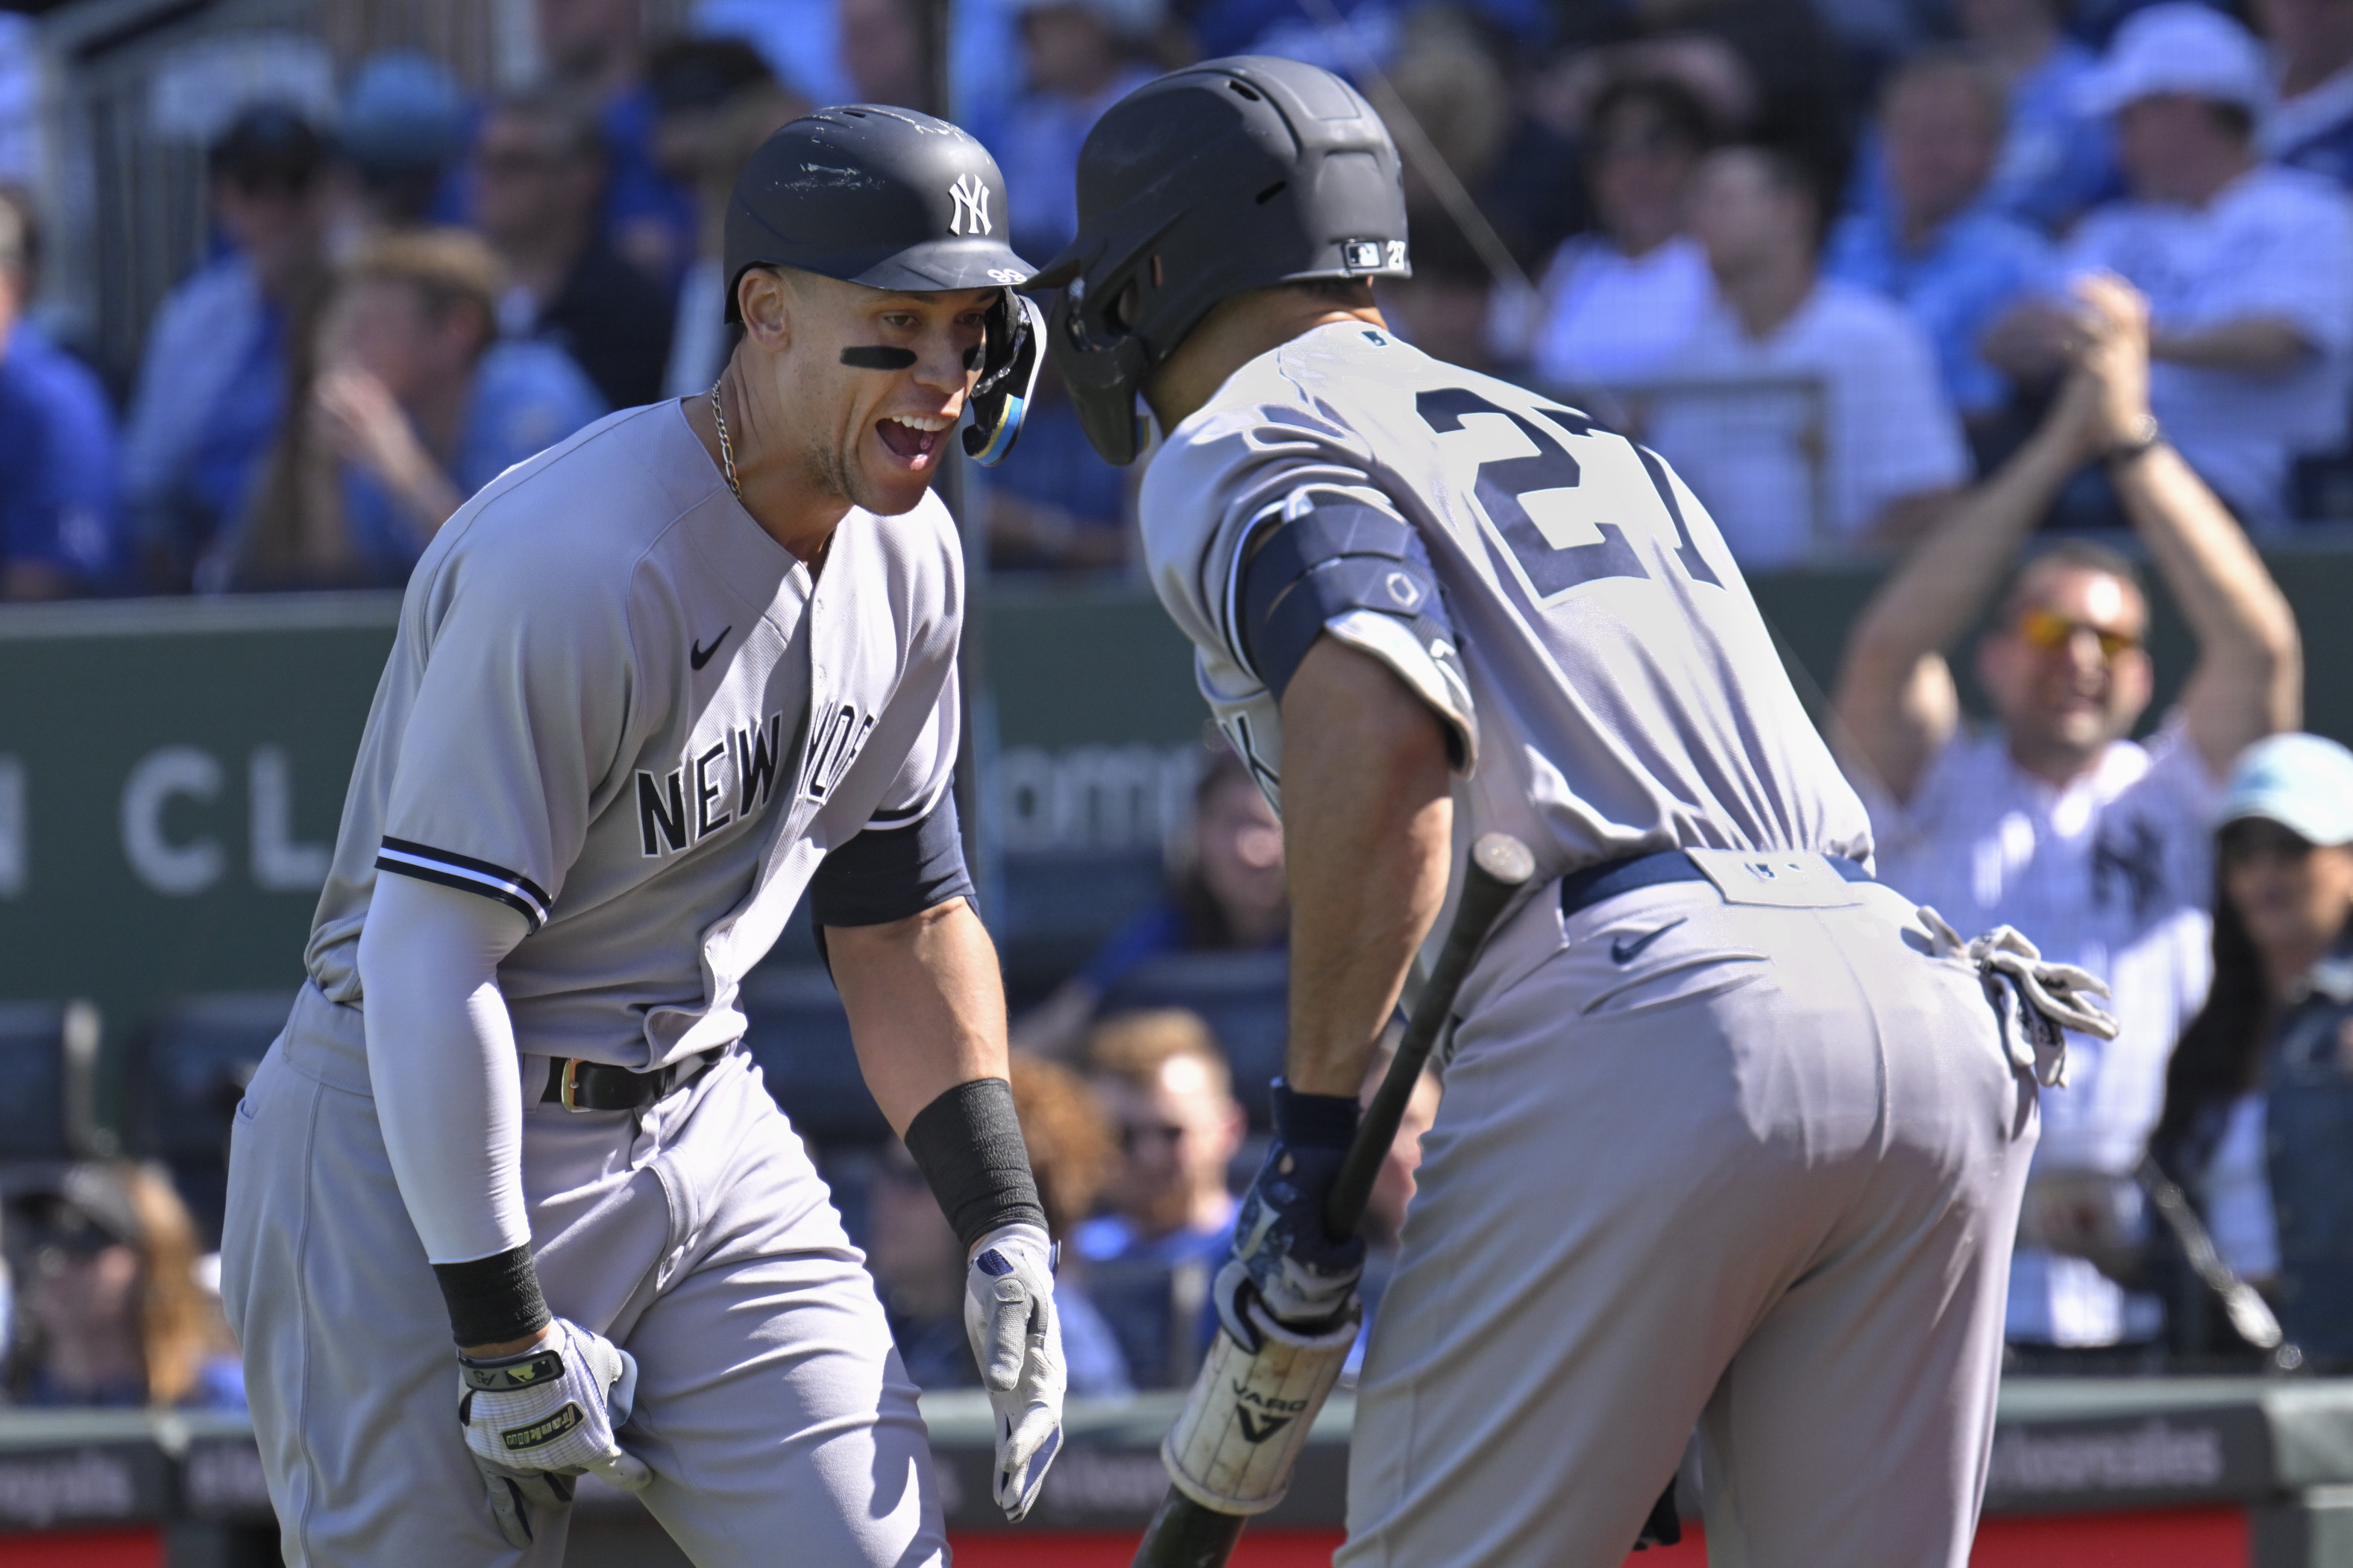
[
  {"x": 701, "y": 656},
  {"x": 1624, "y": 951}
]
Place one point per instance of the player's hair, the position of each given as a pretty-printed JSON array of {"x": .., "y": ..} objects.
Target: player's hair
[
  {"x": 447, "y": 268},
  {"x": 2078, "y": 555},
  {"x": 1955, "y": 62},
  {"x": 1135, "y": 1047},
  {"x": 1348, "y": 293},
  {"x": 1068, "y": 1136}
]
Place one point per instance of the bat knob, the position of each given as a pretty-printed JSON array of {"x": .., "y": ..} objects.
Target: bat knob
[{"x": 1504, "y": 857}]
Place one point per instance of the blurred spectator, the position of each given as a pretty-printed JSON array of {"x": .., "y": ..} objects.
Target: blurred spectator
[
  {"x": 1444, "y": 308},
  {"x": 1383, "y": 1226},
  {"x": 411, "y": 404},
  {"x": 540, "y": 170},
  {"x": 1934, "y": 249},
  {"x": 1078, "y": 59},
  {"x": 1619, "y": 306},
  {"x": 212, "y": 384},
  {"x": 1150, "y": 1259},
  {"x": 1794, "y": 76},
  {"x": 918, "y": 1272},
  {"x": 2092, "y": 844},
  {"x": 595, "y": 54},
  {"x": 1054, "y": 503},
  {"x": 59, "y": 518},
  {"x": 2259, "y": 1091},
  {"x": 402, "y": 127},
  {"x": 715, "y": 101},
  {"x": 882, "y": 53},
  {"x": 920, "y": 1268},
  {"x": 1225, "y": 894},
  {"x": 2248, "y": 269},
  {"x": 1073, "y": 1154},
  {"x": 114, "y": 1312},
  {"x": 2310, "y": 123},
  {"x": 2056, "y": 159},
  {"x": 1888, "y": 448}
]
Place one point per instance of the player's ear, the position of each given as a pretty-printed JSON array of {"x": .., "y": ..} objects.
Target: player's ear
[{"x": 767, "y": 298}]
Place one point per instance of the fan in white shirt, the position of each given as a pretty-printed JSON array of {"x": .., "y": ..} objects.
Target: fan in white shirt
[
  {"x": 2092, "y": 844},
  {"x": 1829, "y": 427},
  {"x": 1615, "y": 308}
]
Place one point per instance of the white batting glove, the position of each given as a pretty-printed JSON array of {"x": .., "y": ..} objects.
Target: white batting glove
[
  {"x": 534, "y": 1419},
  {"x": 1009, "y": 1313}
]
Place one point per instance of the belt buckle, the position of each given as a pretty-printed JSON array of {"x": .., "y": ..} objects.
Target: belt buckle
[{"x": 569, "y": 1088}]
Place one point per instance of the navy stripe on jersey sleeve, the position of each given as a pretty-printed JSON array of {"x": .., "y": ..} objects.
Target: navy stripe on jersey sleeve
[
  {"x": 466, "y": 874},
  {"x": 887, "y": 874}
]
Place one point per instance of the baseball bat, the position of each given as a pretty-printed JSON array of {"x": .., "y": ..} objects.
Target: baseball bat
[
  {"x": 2251, "y": 1316},
  {"x": 1184, "y": 1533}
]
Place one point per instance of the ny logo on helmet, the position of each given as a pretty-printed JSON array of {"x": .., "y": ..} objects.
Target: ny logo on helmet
[{"x": 971, "y": 206}]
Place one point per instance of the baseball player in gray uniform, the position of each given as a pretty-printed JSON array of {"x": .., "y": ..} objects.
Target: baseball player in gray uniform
[
  {"x": 648, "y": 689},
  {"x": 1732, "y": 1135}
]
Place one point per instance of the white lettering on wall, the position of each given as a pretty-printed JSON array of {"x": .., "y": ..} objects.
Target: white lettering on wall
[
  {"x": 176, "y": 870},
  {"x": 14, "y": 838},
  {"x": 1096, "y": 797},
  {"x": 280, "y": 864}
]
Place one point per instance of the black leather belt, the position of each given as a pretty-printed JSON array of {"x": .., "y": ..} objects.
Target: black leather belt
[
  {"x": 1583, "y": 890},
  {"x": 578, "y": 1085}
]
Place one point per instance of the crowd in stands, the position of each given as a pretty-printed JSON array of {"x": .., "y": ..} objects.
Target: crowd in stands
[
  {"x": 1820, "y": 253},
  {"x": 1915, "y": 284}
]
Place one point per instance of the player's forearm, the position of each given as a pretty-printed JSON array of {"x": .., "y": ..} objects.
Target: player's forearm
[
  {"x": 1367, "y": 818},
  {"x": 442, "y": 1067},
  {"x": 925, "y": 1002},
  {"x": 2250, "y": 676}
]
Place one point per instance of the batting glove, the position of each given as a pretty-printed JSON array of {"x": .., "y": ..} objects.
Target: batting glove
[
  {"x": 1284, "y": 1256},
  {"x": 1009, "y": 1314},
  {"x": 535, "y": 1419}
]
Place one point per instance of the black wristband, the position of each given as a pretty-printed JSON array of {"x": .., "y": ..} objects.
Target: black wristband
[
  {"x": 968, "y": 1143},
  {"x": 494, "y": 1299},
  {"x": 1315, "y": 1121}
]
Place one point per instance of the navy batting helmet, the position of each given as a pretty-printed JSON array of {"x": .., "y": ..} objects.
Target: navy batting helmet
[
  {"x": 1231, "y": 174},
  {"x": 892, "y": 199}
]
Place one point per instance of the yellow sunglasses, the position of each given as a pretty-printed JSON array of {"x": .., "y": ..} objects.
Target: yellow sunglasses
[{"x": 2048, "y": 631}]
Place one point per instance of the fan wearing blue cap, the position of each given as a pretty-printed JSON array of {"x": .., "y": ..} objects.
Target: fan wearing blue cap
[{"x": 2260, "y": 1089}]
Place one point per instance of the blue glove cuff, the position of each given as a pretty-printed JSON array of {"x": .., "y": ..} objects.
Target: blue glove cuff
[{"x": 1314, "y": 1120}]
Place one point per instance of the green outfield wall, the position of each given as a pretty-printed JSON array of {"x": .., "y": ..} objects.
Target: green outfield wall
[{"x": 171, "y": 772}]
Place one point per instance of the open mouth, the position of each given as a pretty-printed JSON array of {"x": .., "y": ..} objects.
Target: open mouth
[{"x": 913, "y": 439}]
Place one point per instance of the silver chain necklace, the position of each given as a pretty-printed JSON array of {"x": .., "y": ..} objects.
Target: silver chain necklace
[{"x": 726, "y": 446}]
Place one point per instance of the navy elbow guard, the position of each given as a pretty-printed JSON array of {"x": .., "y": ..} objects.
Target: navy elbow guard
[{"x": 1339, "y": 564}]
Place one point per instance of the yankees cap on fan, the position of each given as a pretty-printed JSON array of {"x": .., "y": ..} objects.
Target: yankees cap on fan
[{"x": 885, "y": 198}]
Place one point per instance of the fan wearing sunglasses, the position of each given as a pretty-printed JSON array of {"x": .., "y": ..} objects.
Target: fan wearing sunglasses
[{"x": 2053, "y": 819}]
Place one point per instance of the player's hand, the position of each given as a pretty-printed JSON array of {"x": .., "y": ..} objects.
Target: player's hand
[
  {"x": 538, "y": 1417},
  {"x": 1009, "y": 1314},
  {"x": 1284, "y": 1256}
]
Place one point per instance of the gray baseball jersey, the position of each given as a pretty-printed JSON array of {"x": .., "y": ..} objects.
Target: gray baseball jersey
[
  {"x": 617, "y": 705},
  {"x": 1615, "y": 691}
]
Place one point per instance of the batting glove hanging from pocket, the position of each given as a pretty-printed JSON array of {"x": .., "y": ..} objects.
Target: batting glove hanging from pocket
[
  {"x": 534, "y": 1419},
  {"x": 2050, "y": 998},
  {"x": 1009, "y": 1315}
]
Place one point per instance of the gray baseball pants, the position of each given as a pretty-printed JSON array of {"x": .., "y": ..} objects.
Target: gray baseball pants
[
  {"x": 779, "y": 1424},
  {"x": 1760, "y": 1174}
]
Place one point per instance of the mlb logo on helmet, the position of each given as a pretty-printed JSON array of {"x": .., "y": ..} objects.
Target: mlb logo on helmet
[{"x": 1361, "y": 254}]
